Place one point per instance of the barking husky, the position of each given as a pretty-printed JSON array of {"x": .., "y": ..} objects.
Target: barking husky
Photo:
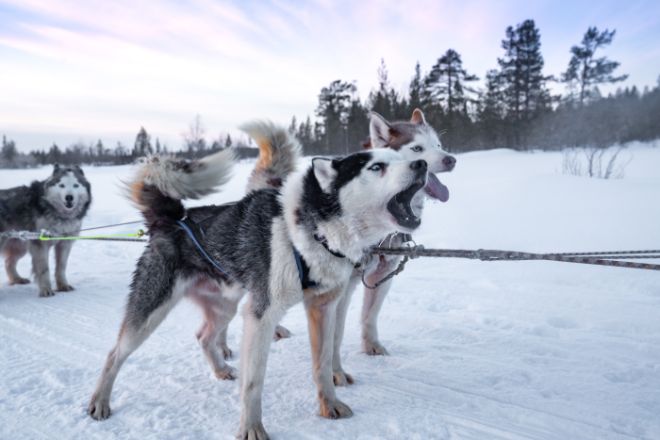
[
  {"x": 297, "y": 244},
  {"x": 57, "y": 205}
]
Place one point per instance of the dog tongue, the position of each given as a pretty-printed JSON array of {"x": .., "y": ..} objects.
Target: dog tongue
[{"x": 435, "y": 188}]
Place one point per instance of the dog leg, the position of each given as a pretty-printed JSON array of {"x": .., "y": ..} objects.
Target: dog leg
[
  {"x": 14, "y": 250},
  {"x": 339, "y": 376},
  {"x": 62, "y": 251},
  {"x": 373, "y": 301},
  {"x": 257, "y": 337},
  {"x": 218, "y": 311},
  {"x": 232, "y": 295},
  {"x": 321, "y": 317},
  {"x": 151, "y": 299},
  {"x": 39, "y": 253}
]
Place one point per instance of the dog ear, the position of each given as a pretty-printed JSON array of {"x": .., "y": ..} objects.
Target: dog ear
[
  {"x": 56, "y": 167},
  {"x": 418, "y": 117},
  {"x": 380, "y": 131},
  {"x": 77, "y": 168},
  {"x": 325, "y": 172}
]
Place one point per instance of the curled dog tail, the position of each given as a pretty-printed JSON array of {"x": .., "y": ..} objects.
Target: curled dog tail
[
  {"x": 162, "y": 182},
  {"x": 279, "y": 151}
]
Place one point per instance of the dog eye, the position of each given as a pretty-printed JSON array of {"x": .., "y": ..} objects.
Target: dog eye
[
  {"x": 417, "y": 148},
  {"x": 75, "y": 185},
  {"x": 378, "y": 166},
  {"x": 61, "y": 185}
]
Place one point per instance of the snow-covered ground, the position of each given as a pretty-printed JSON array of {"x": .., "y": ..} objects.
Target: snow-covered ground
[{"x": 499, "y": 350}]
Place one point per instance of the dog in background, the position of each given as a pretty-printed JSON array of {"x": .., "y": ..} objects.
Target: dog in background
[
  {"x": 57, "y": 205},
  {"x": 414, "y": 140}
]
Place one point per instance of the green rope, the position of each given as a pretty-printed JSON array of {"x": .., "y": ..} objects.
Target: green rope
[{"x": 139, "y": 234}]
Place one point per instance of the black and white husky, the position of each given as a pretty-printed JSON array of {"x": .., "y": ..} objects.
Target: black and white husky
[
  {"x": 299, "y": 243},
  {"x": 57, "y": 205}
]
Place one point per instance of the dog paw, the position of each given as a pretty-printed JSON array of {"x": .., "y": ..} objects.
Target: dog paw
[
  {"x": 19, "y": 280},
  {"x": 374, "y": 348},
  {"x": 254, "y": 433},
  {"x": 48, "y": 291},
  {"x": 64, "y": 287},
  {"x": 226, "y": 352},
  {"x": 335, "y": 409},
  {"x": 281, "y": 333},
  {"x": 226, "y": 373},
  {"x": 99, "y": 409},
  {"x": 341, "y": 378}
]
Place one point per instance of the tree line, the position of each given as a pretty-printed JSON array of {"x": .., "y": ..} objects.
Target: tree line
[
  {"x": 194, "y": 145},
  {"x": 514, "y": 108}
]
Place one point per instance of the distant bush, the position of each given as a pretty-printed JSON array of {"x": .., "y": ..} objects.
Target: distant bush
[{"x": 601, "y": 163}]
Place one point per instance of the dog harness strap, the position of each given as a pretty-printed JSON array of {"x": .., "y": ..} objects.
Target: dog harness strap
[
  {"x": 303, "y": 270},
  {"x": 324, "y": 241},
  {"x": 187, "y": 225}
]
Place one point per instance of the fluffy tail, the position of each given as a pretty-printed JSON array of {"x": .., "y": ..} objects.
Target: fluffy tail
[
  {"x": 279, "y": 151},
  {"x": 163, "y": 181}
]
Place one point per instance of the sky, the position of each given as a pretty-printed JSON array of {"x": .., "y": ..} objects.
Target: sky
[{"x": 76, "y": 71}]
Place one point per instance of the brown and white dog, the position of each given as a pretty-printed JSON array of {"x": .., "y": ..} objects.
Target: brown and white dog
[{"x": 413, "y": 139}]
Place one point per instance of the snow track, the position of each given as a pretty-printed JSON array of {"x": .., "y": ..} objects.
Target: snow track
[{"x": 522, "y": 350}]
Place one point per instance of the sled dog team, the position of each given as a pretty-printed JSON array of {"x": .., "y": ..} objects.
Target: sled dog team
[{"x": 297, "y": 236}]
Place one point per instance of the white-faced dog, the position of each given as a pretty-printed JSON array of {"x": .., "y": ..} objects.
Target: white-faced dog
[
  {"x": 414, "y": 140},
  {"x": 56, "y": 205},
  {"x": 300, "y": 243}
]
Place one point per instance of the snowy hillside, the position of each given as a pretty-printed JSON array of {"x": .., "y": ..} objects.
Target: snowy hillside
[{"x": 499, "y": 350}]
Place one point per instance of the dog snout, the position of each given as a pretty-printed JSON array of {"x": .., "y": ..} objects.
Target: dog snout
[
  {"x": 449, "y": 162},
  {"x": 419, "y": 165},
  {"x": 68, "y": 198}
]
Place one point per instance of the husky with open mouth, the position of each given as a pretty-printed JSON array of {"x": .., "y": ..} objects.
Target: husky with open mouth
[
  {"x": 414, "y": 140},
  {"x": 58, "y": 205},
  {"x": 300, "y": 243}
]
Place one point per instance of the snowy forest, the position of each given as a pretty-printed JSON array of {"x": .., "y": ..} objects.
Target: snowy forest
[{"x": 514, "y": 108}]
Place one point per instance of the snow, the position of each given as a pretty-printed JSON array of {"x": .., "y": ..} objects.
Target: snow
[{"x": 479, "y": 350}]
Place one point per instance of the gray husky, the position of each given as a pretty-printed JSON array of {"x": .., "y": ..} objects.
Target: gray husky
[
  {"x": 56, "y": 205},
  {"x": 297, "y": 244}
]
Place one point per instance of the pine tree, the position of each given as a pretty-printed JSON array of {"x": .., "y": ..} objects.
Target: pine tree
[
  {"x": 228, "y": 141},
  {"x": 491, "y": 110},
  {"x": 305, "y": 134},
  {"x": 448, "y": 83},
  {"x": 54, "y": 154},
  {"x": 357, "y": 126},
  {"x": 99, "y": 149},
  {"x": 415, "y": 90},
  {"x": 294, "y": 125},
  {"x": 194, "y": 139},
  {"x": 585, "y": 71},
  {"x": 333, "y": 109},
  {"x": 525, "y": 93},
  {"x": 142, "y": 146},
  {"x": 379, "y": 100},
  {"x": 9, "y": 151}
]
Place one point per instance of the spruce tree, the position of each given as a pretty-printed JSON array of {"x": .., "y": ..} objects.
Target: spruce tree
[
  {"x": 142, "y": 146},
  {"x": 333, "y": 109},
  {"x": 448, "y": 82},
  {"x": 525, "y": 93}
]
